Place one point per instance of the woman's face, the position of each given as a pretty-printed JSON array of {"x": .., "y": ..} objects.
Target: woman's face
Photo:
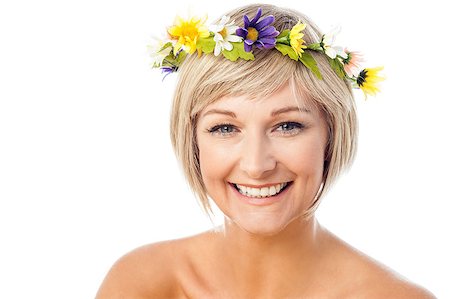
[{"x": 250, "y": 149}]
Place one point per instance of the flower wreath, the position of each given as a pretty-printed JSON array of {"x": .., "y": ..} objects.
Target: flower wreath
[{"x": 186, "y": 37}]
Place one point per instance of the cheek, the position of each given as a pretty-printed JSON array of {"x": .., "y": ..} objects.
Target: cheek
[
  {"x": 305, "y": 157},
  {"x": 215, "y": 164}
]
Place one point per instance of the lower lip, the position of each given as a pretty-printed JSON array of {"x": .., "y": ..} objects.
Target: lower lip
[{"x": 263, "y": 201}]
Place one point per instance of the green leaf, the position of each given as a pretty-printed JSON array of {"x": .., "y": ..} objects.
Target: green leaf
[
  {"x": 242, "y": 53},
  {"x": 166, "y": 45},
  {"x": 181, "y": 56},
  {"x": 308, "y": 60},
  {"x": 283, "y": 38},
  {"x": 206, "y": 45},
  {"x": 337, "y": 66},
  {"x": 238, "y": 51},
  {"x": 172, "y": 61},
  {"x": 287, "y": 50},
  {"x": 283, "y": 34},
  {"x": 232, "y": 55}
]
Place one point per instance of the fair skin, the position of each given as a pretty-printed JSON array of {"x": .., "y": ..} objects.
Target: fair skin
[{"x": 265, "y": 249}]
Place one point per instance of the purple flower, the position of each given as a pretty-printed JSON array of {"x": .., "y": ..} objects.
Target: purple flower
[
  {"x": 258, "y": 33},
  {"x": 168, "y": 70}
]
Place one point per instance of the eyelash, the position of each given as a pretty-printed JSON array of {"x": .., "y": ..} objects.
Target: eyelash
[{"x": 297, "y": 127}]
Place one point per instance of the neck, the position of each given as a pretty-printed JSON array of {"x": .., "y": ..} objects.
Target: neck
[{"x": 267, "y": 262}]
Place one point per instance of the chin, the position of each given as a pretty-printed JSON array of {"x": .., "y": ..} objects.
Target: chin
[{"x": 261, "y": 226}]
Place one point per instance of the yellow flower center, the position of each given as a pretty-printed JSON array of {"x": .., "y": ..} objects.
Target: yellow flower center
[
  {"x": 252, "y": 34},
  {"x": 190, "y": 30},
  {"x": 223, "y": 32}
]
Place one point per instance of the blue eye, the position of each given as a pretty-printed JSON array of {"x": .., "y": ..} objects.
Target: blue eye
[
  {"x": 289, "y": 128},
  {"x": 224, "y": 129}
]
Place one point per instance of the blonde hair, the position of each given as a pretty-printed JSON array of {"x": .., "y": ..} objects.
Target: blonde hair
[{"x": 203, "y": 80}]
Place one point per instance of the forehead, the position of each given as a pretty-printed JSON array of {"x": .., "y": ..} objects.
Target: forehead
[{"x": 281, "y": 98}]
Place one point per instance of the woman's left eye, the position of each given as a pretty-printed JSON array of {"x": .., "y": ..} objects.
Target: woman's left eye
[{"x": 289, "y": 128}]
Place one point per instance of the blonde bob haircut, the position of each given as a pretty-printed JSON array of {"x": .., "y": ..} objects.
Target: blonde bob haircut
[{"x": 204, "y": 80}]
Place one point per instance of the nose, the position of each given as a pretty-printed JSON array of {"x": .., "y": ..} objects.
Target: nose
[{"x": 257, "y": 159}]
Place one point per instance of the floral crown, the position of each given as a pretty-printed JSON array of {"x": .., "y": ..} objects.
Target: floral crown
[{"x": 186, "y": 37}]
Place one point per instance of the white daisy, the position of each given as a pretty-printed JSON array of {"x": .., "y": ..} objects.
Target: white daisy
[
  {"x": 327, "y": 44},
  {"x": 156, "y": 51},
  {"x": 224, "y": 34}
]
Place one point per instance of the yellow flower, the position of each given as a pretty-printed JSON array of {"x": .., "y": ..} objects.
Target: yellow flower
[
  {"x": 367, "y": 80},
  {"x": 297, "y": 43},
  {"x": 188, "y": 32}
]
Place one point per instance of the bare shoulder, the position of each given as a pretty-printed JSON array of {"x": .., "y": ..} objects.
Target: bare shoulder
[
  {"x": 370, "y": 278},
  {"x": 379, "y": 281},
  {"x": 146, "y": 272},
  {"x": 382, "y": 282}
]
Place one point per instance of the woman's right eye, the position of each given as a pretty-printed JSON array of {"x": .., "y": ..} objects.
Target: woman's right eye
[{"x": 223, "y": 129}]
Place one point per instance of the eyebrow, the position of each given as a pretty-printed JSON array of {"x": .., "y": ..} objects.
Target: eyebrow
[
  {"x": 274, "y": 113},
  {"x": 289, "y": 109}
]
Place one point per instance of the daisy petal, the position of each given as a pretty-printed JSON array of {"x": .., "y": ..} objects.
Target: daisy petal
[
  {"x": 232, "y": 29},
  {"x": 265, "y": 22},
  {"x": 246, "y": 21},
  {"x": 227, "y": 46},
  {"x": 224, "y": 20},
  {"x": 330, "y": 52},
  {"x": 247, "y": 48},
  {"x": 267, "y": 43},
  {"x": 234, "y": 38},
  {"x": 340, "y": 51},
  {"x": 249, "y": 42},
  {"x": 216, "y": 28},
  {"x": 258, "y": 15},
  {"x": 241, "y": 32},
  {"x": 267, "y": 31},
  {"x": 217, "y": 50}
]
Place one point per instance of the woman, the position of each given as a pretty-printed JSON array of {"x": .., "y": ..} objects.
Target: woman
[{"x": 263, "y": 134}]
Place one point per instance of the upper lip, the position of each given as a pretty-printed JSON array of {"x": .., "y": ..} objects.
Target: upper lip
[{"x": 259, "y": 186}]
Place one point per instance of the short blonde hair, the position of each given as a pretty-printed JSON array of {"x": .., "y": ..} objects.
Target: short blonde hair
[{"x": 203, "y": 80}]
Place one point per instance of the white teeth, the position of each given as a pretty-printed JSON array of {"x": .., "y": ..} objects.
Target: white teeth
[
  {"x": 278, "y": 187},
  {"x": 244, "y": 189},
  {"x": 261, "y": 192},
  {"x": 264, "y": 191},
  {"x": 272, "y": 190}
]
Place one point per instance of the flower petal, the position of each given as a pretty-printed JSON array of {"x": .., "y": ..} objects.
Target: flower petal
[
  {"x": 340, "y": 51},
  {"x": 224, "y": 20},
  {"x": 247, "y": 48},
  {"x": 267, "y": 31},
  {"x": 265, "y": 22},
  {"x": 249, "y": 42},
  {"x": 258, "y": 15},
  {"x": 330, "y": 52},
  {"x": 242, "y": 32},
  {"x": 217, "y": 49},
  {"x": 234, "y": 38},
  {"x": 218, "y": 37},
  {"x": 216, "y": 28},
  {"x": 227, "y": 46},
  {"x": 262, "y": 45},
  {"x": 246, "y": 21},
  {"x": 231, "y": 29},
  {"x": 267, "y": 41}
]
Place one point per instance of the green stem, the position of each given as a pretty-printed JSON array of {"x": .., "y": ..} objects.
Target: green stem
[
  {"x": 283, "y": 40},
  {"x": 315, "y": 47}
]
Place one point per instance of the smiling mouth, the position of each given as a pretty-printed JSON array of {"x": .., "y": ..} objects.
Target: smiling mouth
[{"x": 261, "y": 192}]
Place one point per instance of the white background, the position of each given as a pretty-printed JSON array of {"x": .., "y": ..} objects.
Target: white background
[{"x": 86, "y": 168}]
